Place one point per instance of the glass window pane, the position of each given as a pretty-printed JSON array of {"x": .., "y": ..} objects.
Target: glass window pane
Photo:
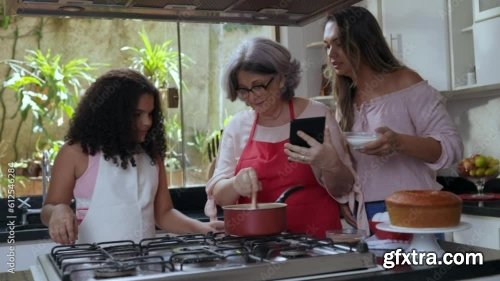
[
  {"x": 205, "y": 105},
  {"x": 488, "y": 4},
  {"x": 111, "y": 44}
]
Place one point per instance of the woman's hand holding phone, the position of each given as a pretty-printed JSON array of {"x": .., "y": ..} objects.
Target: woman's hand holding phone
[{"x": 321, "y": 155}]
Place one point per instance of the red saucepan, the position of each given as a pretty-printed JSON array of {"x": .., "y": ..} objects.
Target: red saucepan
[{"x": 266, "y": 219}]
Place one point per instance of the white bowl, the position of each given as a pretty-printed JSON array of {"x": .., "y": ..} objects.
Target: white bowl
[{"x": 358, "y": 139}]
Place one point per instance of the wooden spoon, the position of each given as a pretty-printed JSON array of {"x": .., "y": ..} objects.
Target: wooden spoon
[{"x": 253, "y": 204}]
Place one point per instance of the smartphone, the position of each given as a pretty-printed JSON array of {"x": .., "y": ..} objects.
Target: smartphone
[{"x": 314, "y": 127}]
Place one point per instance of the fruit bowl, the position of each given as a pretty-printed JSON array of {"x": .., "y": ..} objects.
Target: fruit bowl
[
  {"x": 479, "y": 169},
  {"x": 358, "y": 139}
]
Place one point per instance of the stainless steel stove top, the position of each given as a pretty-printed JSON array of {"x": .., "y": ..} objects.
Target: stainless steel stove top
[{"x": 202, "y": 257}]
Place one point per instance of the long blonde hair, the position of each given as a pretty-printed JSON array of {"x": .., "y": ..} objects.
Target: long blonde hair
[{"x": 362, "y": 41}]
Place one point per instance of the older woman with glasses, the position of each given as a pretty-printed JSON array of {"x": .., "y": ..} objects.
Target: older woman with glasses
[{"x": 255, "y": 156}]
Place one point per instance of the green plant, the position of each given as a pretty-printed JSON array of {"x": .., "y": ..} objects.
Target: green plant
[
  {"x": 173, "y": 131},
  {"x": 173, "y": 134},
  {"x": 50, "y": 146},
  {"x": 226, "y": 120},
  {"x": 158, "y": 62},
  {"x": 46, "y": 88},
  {"x": 230, "y": 27},
  {"x": 172, "y": 163},
  {"x": 4, "y": 19},
  {"x": 199, "y": 141}
]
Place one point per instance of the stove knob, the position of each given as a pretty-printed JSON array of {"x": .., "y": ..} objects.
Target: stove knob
[{"x": 362, "y": 247}]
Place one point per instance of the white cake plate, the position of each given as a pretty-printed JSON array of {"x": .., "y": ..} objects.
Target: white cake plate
[{"x": 424, "y": 239}]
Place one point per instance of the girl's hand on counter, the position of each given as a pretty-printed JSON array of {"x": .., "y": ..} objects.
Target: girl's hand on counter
[{"x": 63, "y": 227}]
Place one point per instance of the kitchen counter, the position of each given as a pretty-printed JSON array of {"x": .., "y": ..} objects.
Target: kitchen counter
[
  {"x": 489, "y": 208},
  {"x": 491, "y": 267},
  {"x": 18, "y": 276},
  {"x": 457, "y": 185}
]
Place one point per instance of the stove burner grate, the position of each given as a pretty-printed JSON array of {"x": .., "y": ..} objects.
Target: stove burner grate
[
  {"x": 204, "y": 255},
  {"x": 187, "y": 254},
  {"x": 115, "y": 271},
  {"x": 293, "y": 253}
]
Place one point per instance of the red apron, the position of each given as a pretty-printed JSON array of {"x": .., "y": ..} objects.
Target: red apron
[{"x": 311, "y": 210}]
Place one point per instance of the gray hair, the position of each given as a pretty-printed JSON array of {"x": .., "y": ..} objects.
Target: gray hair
[{"x": 262, "y": 56}]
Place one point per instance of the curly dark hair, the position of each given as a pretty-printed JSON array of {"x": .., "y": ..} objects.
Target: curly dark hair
[{"x": 104, "y": 119}]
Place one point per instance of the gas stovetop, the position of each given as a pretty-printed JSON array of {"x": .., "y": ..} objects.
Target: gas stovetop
[{"x": 201, "y": 257}]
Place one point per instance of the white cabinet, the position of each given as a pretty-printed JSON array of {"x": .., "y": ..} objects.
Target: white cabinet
[
  {"x": 461, "y": 44},
  {"x": 485, "y": 232},
  {"x": 474, "y": 39},
  {"x": 486, "y": 9},
  {"x": 450, "y": 43},
  {"x": 305, "y": 45},
  {"x": 486, "y": 42},
  {"x": 417, "y": 32}
]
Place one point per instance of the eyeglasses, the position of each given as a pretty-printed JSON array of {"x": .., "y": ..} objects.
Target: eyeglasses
[{"x": 257, "y": 90}]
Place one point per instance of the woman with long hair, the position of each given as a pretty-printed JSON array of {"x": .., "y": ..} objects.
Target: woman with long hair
[{"x": 376, "y": 93}]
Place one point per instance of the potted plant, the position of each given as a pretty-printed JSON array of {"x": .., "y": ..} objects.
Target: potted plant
[
  {"x": 34, "y": 164},
  {"x": 5, "y": 181},
  {"x": 158, "y": 62},
  {"x": 198, "y": 155},
  {"x": 173, "y": 161}
]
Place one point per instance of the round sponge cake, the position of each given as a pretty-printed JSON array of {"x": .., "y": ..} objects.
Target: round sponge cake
[{"x": 424, "y": 208}]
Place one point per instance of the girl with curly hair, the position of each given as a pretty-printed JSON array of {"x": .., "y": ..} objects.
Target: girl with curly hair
[{"x": 112, "y": 164}]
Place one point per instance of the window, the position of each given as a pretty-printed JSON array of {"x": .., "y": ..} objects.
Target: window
[
  {"x": 486, "y": 9},
  {"x": 202, "y": 106},
  {"x": 205, "y": 106}
]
